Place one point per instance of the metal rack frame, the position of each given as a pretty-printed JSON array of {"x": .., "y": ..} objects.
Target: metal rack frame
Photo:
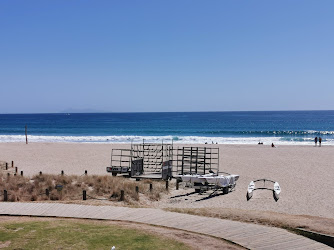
[
  {"x": 146, "y": 158},
  {"x": 163, "y": 160},
  {"x": 197, "y": 160}
]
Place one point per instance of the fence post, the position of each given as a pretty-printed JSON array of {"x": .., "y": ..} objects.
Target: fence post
[
  {"x": 122, "y": 195},
  {"x": 15, "y": 169},
  {"x": 21, "y": 173},
  {"x": 166, "y": 185},
  {"x": 151, "y": 187},
  {"x": 12, "y": 164},
  {"x": 47, "y": 192},
  {"x": 84, "y": 195},
  {"x": 6, "y": 165},
  {"x": 26, "y": 132},
  {"x": 177, "y": 184},
  {"x": 85, "y": 172},
  {"x": 5, "y": 195}
]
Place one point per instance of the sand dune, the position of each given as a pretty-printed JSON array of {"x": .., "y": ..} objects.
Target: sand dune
[{"x": 305, "y": 173}]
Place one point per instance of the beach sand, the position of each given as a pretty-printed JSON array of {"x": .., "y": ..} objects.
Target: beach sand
[{"x": 305, "y": 173}]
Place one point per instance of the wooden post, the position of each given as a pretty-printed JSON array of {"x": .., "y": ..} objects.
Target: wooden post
[
  {"x": 86, "y": 172},
  {"x": 151, "y": 187},
  {"x": 47, "y": 192},
  {"x": 177, "y": 184},
  {"x": 166, "y": 185},
  {"x": 5, "y": 195},
  {"x": 137, "y": 189},
  {"x": 122, "y": 195},
  {"x": 21, "y": 173},
  {"x": 26, "y": 129},
  {"x": 6, "y": 165},
  {"x": 12, "y": 164},
  {"x": 15, "y": 169},
  {"x": 84, "y": 195}
]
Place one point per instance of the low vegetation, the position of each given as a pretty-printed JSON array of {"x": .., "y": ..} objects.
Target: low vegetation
[
  {"x": 70, "y": 188},
  {"x": 62, "y": 234}
]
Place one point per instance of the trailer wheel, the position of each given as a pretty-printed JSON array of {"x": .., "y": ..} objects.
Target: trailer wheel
[
  {"x": 114, "y": 174},
  {"x": 225, "y": 190}
]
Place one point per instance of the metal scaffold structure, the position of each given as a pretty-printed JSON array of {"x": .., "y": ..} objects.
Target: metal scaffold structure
[
  {"x": 196, "y": 166},
  {"x": 197, "y": 160},
  {"x": 143, "y": 160}
]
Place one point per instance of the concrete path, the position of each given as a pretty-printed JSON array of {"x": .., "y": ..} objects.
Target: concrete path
[{"x": 251, "y": 236}]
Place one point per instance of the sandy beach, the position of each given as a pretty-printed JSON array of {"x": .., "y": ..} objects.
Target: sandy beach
[{"x": 305, "y": 173}]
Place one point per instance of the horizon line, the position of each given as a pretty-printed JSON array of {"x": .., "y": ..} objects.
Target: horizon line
[{"x": 133, "y": 112}]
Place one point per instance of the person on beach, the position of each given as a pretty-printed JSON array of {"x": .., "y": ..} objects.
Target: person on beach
[
  {"x": 316, "y": 141},
  {"x": 272, "y": 145},
  {"x": 320, "y": 139}
]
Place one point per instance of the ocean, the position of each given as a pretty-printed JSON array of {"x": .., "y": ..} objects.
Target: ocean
[{"x": 279, "y": 127}]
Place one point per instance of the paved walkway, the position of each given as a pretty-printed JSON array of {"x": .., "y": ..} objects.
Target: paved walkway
[{"x": 248, "y": 235}]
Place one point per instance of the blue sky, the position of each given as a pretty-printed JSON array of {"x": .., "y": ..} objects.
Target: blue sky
[{"x": 135, "y": 56}]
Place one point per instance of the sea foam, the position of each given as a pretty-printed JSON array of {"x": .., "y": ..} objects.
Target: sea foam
[{"x": 166, "y": 139}]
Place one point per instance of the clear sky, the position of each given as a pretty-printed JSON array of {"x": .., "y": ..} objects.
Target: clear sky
[{"x": 171, "y": 55}]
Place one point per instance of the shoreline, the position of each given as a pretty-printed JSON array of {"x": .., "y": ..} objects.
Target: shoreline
[
  {"x": 177, "y": 144},
  {"x": 179, "y": 139}
]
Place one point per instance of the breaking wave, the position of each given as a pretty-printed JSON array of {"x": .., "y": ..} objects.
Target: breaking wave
[
  {"x": 270, "y": 132},
  {"x": 280, "y": 140}
]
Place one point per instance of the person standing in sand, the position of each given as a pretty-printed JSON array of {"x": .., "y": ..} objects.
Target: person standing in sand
[
  {"x": 320, "y": 139},
  {"x": 316, "y": 141}
]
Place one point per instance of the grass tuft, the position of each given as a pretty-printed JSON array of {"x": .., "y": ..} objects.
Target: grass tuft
[{"x": 21, "y": 188}]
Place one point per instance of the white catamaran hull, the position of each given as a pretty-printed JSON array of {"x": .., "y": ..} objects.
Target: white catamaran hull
[
  {"x": 221, "y": 180},
  {"x": 195, "y": 178}
]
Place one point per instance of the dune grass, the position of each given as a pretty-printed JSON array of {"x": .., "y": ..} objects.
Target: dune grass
[
  {"x": 62, "y": 234},
  {"x": 21, "y": 188}
]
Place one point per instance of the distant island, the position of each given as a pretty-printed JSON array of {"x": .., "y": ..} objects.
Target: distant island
[{"x": 72, "y": 110}]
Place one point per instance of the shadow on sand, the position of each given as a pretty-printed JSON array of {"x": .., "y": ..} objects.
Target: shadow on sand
[
  {"x": 182, "y": 195},
  {"x": 209, "y": 196},
  {"x": 212, "y": 195}
]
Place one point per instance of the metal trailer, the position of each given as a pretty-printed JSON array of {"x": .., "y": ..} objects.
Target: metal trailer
[
  {"x": 163, "y": 161},
  {"x": 143, "y": 161},
  {"x": 197, "y": 161}
]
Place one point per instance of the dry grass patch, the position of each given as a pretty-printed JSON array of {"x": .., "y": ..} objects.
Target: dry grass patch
[
  {"x": 286, "y": 221},
  {"x": 108, "y": 188}
]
